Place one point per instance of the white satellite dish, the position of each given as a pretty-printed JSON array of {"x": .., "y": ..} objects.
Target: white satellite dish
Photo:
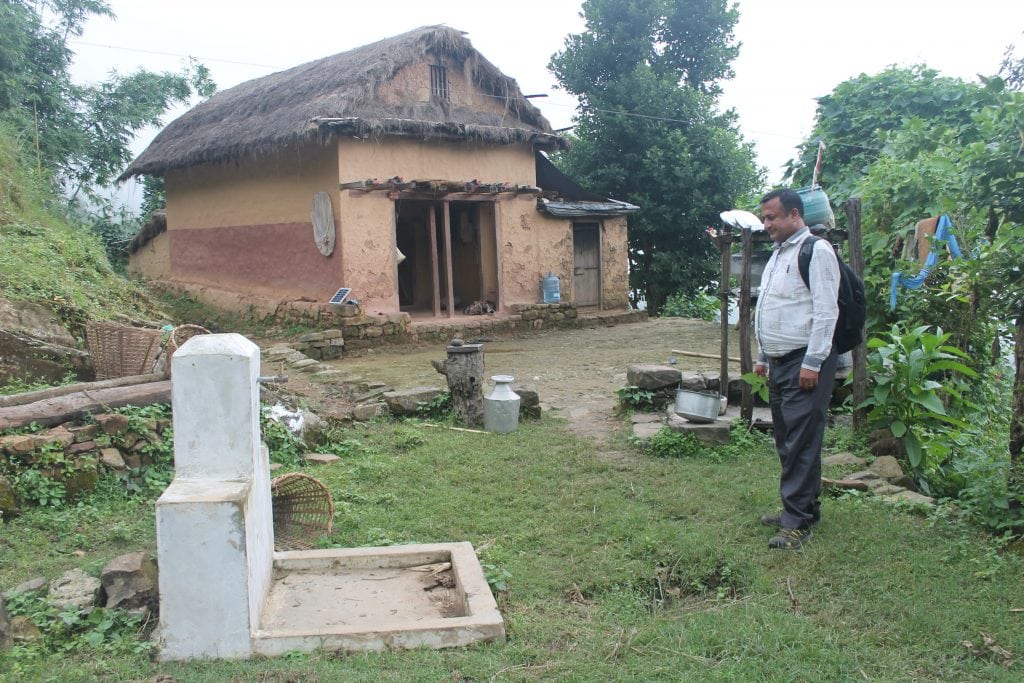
[{"x": 743, "y": 220}]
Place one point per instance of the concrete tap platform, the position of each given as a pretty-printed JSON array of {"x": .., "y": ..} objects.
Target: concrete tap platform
[{"x": 377, "y": 598}]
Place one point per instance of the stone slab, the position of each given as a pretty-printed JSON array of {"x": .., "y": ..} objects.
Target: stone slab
[
  {"x": 643, "y": 431},
  {"x": 371, "y": 599},
  {"x": 711, "y": 433}
]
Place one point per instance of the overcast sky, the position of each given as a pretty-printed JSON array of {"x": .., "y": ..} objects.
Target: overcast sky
[{"x": 792, "y": 50}]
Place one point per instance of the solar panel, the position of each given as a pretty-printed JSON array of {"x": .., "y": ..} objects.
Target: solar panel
[{"x": 340, "y": 296}]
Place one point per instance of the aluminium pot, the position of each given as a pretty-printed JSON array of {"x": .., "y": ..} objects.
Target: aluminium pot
[{"x": 697, "y": 406}]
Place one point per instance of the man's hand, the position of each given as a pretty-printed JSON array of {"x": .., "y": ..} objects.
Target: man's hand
[
  {"x": 808, "y": 379},
  {"x": 761, "y": 369}
]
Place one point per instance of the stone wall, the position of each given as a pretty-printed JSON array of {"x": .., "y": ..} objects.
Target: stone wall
[{"x": 75, "y": 453}]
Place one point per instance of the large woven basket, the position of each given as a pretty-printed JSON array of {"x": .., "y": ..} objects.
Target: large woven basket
[
  {"x": 121, "y": 350},
  {"x": 303, "y": 511},
  {"x": 179, "y": 335}
]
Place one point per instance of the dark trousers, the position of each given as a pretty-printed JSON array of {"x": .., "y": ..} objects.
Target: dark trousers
[{"x": 798, "y": 419}]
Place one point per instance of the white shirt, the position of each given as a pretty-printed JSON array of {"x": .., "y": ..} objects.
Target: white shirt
[{"x": 790, "y": 316}]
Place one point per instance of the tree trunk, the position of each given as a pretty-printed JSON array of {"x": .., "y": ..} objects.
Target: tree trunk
[{"x": 1017, "y": 417}]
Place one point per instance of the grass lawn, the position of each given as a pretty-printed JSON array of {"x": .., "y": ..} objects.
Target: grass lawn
[{"x": 619, "y": 566}]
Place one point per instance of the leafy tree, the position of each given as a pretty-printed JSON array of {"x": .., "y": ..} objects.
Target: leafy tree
[
  {"x": 857, "y": 119},
  {"x": 647, "y": 75},
  {"x": 80, "y": 134}
]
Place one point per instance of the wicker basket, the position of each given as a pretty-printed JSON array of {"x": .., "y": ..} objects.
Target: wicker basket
[
  {"x": 121, "y": 350},
  {"x": 179, "y": 335},
  {"x": 303, "y": 511}
]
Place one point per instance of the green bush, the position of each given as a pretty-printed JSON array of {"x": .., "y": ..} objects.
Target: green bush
[
  {"x": 915, "y": 395},
  {"x": 700, "y": 305}
]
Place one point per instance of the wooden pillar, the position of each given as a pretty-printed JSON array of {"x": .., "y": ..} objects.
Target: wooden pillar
[
  {"x": 860, "y": 370},
  {"x": 500, "y": 303},
  {"x": 747, "y": 400},
  {"x": 434, "y": 275},
  {"x": 448, "y": 257},
  {"x": 724, "y": 240}
]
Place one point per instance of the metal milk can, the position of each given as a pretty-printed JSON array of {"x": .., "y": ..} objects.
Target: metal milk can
[{"x": 501, "y": 406}]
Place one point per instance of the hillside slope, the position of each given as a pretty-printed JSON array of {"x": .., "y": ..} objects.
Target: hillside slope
[{"x": 50, "y": 263}]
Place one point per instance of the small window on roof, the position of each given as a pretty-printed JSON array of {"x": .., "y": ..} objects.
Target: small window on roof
[{"x": 439, "y": 82}]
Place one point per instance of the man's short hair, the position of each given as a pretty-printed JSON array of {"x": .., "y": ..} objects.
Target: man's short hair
[{"x": 788, "y": 198}]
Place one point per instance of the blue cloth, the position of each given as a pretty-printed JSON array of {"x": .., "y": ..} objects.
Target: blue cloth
[{"x": 943, "y": 233}]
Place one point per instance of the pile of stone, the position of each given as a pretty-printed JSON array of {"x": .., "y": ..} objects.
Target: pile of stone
[
  {"x": 664, "y": 380},
  {"x": 884, "y": 477},
  {"x": 326, "y": 345},
  {"x": 85, "y": 449},
  {"x": 128, "y": 582}
]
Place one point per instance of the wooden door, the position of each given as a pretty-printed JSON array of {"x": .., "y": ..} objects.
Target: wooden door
[{"x": 586, "y": 281}]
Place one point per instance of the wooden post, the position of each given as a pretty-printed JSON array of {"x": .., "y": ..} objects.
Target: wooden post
[
  {"x": 435, "y": 276},
  {"x": 747, "y": 400},
  {"x": 448, "y": 257},
  {"x": 724, "y": 240},
  {"x": 500, "y": 303},
  {"x": 860, "y": 370}
]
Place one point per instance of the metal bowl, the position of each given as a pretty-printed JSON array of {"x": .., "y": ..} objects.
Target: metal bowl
[{"x": 696, "y": 406}]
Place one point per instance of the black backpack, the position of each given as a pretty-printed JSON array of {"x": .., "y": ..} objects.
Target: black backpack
[{"x": 852, "y": 304}]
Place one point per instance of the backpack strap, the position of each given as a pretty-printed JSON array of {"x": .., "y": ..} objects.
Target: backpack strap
[{"x": 804, "y": 258}]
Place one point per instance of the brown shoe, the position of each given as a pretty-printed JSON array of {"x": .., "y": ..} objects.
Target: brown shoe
[
  {"x": 790, "y": 539},
  {"x": 775, "y": 519}
]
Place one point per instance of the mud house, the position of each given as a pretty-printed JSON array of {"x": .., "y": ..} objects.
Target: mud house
[{"x": 410, "y": 170}]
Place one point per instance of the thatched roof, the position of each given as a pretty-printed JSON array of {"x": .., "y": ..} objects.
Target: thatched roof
[
  {"x": 339, "y": 94},
  {"x": 156, "y": 224}
]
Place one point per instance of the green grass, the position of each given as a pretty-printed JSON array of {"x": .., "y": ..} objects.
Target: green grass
[
  {"x": 46, "y": 259},
  {"x": 619, "y": 568}
]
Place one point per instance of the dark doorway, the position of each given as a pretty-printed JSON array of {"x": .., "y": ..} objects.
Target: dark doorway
[{"x": 423, "y": 273}]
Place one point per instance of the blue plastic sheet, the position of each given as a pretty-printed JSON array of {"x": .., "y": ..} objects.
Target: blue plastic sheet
[{"x": 943, "y": 234}]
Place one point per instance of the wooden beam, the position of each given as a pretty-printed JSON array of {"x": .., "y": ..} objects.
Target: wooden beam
[
  {"x": 55, "y": 411},
  {"x": 860, "y": 368},
  {"x": 747, "y": 399},
  {"x": 434, "y": 274},
  {"x": 53, "y": 392},
  {"x": 448, "y": 258}
]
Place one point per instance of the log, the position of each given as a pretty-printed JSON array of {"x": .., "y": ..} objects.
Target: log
[
  {"x": 60, "y": 409},
  {"x": 52, "y": 392}
]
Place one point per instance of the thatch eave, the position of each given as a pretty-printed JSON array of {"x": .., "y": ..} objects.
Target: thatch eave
[{"x": 291, "y": 107}]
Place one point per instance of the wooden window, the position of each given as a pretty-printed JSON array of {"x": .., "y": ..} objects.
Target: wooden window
[{"x": 439, "y": 82}]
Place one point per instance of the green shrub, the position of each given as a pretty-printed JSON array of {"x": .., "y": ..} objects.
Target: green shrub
[
  {"x": 635, "y": 397},
  {"x": 700, "y": 305}
]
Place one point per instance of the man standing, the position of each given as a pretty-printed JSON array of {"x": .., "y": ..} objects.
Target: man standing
[{"x": 794, "y": 324}]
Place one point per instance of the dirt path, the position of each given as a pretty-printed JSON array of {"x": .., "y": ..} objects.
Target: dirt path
[{"x": 576, "y": 372}]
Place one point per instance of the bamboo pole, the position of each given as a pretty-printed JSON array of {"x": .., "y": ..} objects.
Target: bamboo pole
[
  {"x": 724, "y": 240},
  {"x": 747, "y": 398},
  {"x": 697, "y": 354}
]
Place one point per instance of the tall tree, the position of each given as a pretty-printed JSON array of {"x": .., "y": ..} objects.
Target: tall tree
[
  {"x": 80, "y": 134},
  {"x": 647, "y": 74}
]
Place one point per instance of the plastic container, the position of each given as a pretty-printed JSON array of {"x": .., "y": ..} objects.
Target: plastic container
[
  {"x": 551, "y": 288},
  {"x": 817, "y": 210},
  {"x": 501, "y": 406}
]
